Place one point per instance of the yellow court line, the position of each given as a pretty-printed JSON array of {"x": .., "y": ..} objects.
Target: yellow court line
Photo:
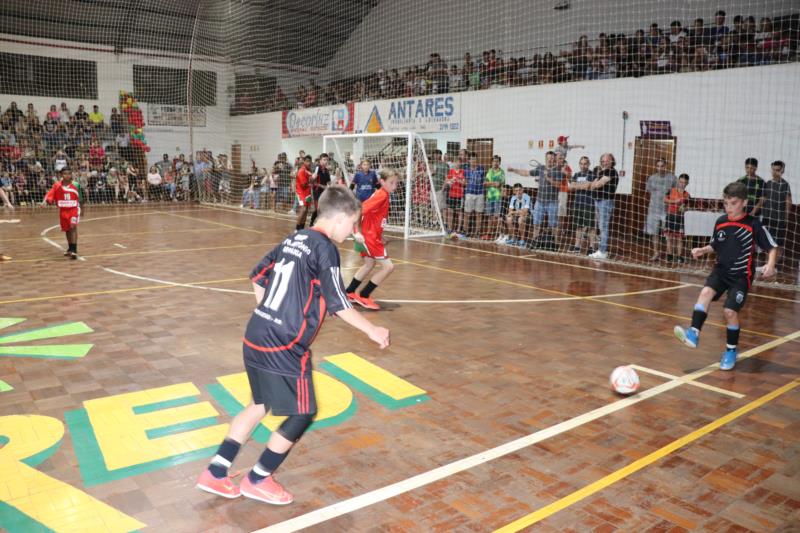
[
  {"x": 114, "y": 291},
  {"x": 212, "y": 222},
  {"x": 597, "y": 298},
  {"x": 532, "y": 257},
  {"x": 643, "y": 462},
  {"x": 146, "y": 252}
]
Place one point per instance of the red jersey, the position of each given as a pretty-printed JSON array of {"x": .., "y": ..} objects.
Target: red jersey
[
  {"x": 456, "y": 180},
  {"x": 66, "y": 197},
  {"x": 674, "y": 195},
  {"x": 374, "y": 212},
  {"x": 303, "y": 182}
]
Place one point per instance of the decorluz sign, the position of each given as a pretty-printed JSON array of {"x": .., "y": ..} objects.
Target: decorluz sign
[
  {"x": 318, "y": 120},
  {"x": 656, "y": 129},
  {"x": 421, "y": 114},
  {"x": 175, "y": 115}
]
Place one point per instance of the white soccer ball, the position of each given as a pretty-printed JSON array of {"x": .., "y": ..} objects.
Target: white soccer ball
[{"x": 624, "y": 380}]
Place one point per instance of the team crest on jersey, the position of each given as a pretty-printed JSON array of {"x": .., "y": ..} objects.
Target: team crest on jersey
[
  {"x": 721, "y": 235},
  {"x": 300, "y": 237}
]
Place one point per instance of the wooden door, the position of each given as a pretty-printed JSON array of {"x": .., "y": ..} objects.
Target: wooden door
[
  {"x": 484, "y": 149},
  {"x": 236, "y": 158}
]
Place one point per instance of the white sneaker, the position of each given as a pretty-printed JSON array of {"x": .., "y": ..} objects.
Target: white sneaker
[
  {"x": 599, "y": 255},
  {"x": 293, "y": 212}
]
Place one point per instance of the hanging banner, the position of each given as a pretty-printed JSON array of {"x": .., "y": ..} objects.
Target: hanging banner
[
  {"x": 318, "y": 121},
  {"x": 420, "y": 114},
  {"x": 175, "y": 115}
]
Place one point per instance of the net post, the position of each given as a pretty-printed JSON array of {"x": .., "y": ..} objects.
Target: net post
[{"x": 409, "y": 170}]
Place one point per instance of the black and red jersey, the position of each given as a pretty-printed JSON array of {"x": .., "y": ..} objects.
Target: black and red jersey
[
  {"x": 735, "y": 243},
  {"x": 302, "y": 280}
]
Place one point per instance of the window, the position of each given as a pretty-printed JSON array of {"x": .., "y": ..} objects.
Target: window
[
  {"x": 253, "y": 94},
  {"x": 163, "y": 85},
  {"x": 47, "y": 76}
]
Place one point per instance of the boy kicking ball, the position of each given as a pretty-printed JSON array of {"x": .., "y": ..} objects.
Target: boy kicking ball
[
  {"x": 294, "y": 285},
  {"x": 67, "y": 196},
  {"x": 736, "y": 235},
  {"x": 374, "y": 212}
]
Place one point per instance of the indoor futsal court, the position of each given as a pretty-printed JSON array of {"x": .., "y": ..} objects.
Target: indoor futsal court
[
  {"x": 399, "y": 266},
  {"x": 475, "y": 418}
]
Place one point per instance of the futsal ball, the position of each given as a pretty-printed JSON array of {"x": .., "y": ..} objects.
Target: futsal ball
[{"x": 624, "y": 380}]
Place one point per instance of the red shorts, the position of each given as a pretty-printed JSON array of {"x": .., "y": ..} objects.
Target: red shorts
[
  {"x": 69, "y": 218},
  {"x": 375, "y": 247},
  {"x": 304, "y": 197}
]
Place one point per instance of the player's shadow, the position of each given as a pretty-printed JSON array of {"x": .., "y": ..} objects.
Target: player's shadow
[
  {"x": 385, "y": 306},
  {"x": 755, "y": 365}
]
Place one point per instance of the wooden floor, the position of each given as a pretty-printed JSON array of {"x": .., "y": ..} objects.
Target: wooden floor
[{"x": 490, "y": 409}]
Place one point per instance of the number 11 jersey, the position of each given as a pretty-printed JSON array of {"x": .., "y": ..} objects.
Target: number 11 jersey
[{"x": 302, "y": 280}]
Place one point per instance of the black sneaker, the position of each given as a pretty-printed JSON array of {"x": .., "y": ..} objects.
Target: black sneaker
[
  {"x": 73, "y": 255},
  {"x": 575, "y": 250},
  {"x": 67, "y": 253},
  {"x": 591, "y": 251}
]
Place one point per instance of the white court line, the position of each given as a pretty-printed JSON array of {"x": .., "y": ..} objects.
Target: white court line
[
  {"x": 395, "y": 489},
  {"x": 9, "y": 221},
  {"x": 173, "y": 283},
  {"x": 694, "y": 383},
  {"x": 120, "y": 245}
]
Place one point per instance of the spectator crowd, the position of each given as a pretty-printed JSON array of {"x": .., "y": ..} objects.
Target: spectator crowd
[{"x": 702, "y": 46}]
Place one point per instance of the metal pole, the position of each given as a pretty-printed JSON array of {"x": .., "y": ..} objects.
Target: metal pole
[{"x": 409, "y": 156}]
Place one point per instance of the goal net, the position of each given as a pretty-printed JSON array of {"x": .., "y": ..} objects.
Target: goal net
[{"x": 414, "y": 208}]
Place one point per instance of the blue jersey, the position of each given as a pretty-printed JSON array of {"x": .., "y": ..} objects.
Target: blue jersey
[
  {"x": 302, "y": 281},
  {"x": 365, "y": 184},
  {"x": 475, "y": 177}
]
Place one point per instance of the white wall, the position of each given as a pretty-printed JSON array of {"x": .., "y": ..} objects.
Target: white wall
[
  {"x": 115, "y": 73},
  {"x": 719, "y": 118},
  {"x": 400, "y": 33}
]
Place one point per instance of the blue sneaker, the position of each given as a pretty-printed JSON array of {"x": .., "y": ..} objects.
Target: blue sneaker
[
  {"x": 687, "y": 336},
  {"x": 521, "y": 242},
  {"x": 728, "y": 360},
  {"x": 511, "y": 240}
]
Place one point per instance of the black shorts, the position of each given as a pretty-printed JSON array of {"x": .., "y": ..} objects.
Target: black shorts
[
  {"x": 583, "y": 216},
  {"x": 776, "y": 228},
  {"x": 736, "y": 287},
  {"x": 282, "y": 394},
  {"x": 455, "y": 203},
  {"x": 675, "y": 224}
]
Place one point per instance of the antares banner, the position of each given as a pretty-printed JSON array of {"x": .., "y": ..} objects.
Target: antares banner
[
  {"x": 318, "y": 121},
  {"x": 418, "y": 114},
  {"x": 175, "y": 115}
]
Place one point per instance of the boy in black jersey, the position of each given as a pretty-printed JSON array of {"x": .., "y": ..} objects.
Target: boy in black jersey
[
  {"x": 294, "y": 285},
  {"x": 736, "y": 235},
  {"x": 322, "y": 178}
]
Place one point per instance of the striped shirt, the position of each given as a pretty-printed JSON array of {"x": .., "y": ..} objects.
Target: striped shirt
[{"x": 735, "y": 243}]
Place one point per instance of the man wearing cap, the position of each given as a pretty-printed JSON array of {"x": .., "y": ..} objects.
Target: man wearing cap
[{"x": 563, "y": 148}]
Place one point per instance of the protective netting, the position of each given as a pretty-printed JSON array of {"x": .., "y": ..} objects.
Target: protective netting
[{"x": 195, "y": 101}]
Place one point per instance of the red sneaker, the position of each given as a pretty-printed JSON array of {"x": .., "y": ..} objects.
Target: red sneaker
[
  {"x": 353, "y": 297},
  {"x": 268, "y": 490},
  {"x": 221, "y": 487},
  {"x": 368, "y": 302}
]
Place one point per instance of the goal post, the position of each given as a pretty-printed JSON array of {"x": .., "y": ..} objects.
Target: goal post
[{"x": 414, "y": 206}]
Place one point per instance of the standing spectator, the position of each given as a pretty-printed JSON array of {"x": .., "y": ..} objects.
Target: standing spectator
[
  {"x": 475, "y": 175},
  {"x": 112, "y": 180},
  {"x": 777, "y": 204},
  {"x": 117, "y": 122},
  {"x": 164, "y": 165},
  {"x": 53, "y": 114},
  {"x": 549, "y": 178},
  {"x": 563, "y": 189},
  {"x": 321, "y": 179},
  {"x": 719, "y": 30},
  {"x": 13, "y": 114},
  {"x": 517, "y": 217},
  {"x": 583, "y": 208},
  {"x": 81, "y": 116},
  {"x": 365, "y": 181},
  {"x": 455, "y": 200},
  {"x": 495, "y": 181},
  {"x": 456, "y": 79},
  {"x": 97, "y": 156},
  {"x": 604, "y": 189},
  {"x": 677, "y": 201},
  {"x": 699, "y": 36},
  {"x": 658, "y": 186},
  {"x": 283, "y": 175},
  {"x": 64, "y": 112},
  {"x": 755, "y": 186}
]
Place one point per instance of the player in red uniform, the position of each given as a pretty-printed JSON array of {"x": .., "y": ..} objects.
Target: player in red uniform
[
  {"x": 67, "y": 196},
  {"x": 374, "y": 213},
  {"x": 302, "y": 188}
]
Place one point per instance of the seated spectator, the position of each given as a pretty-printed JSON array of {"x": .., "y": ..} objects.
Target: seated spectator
[
  {"x": 13, "y": 114},
  {"x": 7, "y": 184},
  {"x": 117, "y": 122},
  {"x": 719, "y": 30},
  {"x": 53, "y": 114},
  {"x": 250, "y": 194},
  {"x": 517, "y": 216},
  {"x": 675, "y": 31},
  {"x": 154, "y": 181},
  {"x": 456, "y": 79},
  {"x": 81, "y": 116},
  {"x": 97, "y": 156},
  {"x": 698, "y": 36},
  {"x": 64, "y": 112}
]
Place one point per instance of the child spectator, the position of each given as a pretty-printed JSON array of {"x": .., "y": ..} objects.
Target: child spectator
[
  {"x": 777, "y": 204},
  {"x": 365, "y": 181},
  {"x": 495, "y": 182},
  {"x": 519, "y": 205},
  {"x": 736, "y": 234},
  {"x": 250, "y": 194},
  {"x": 154, "y": 181},
  {"x": 583, "y": 208},
  {"x": 112, "y": 179},
  {"x": 421, "y": 196},
  {"x": 564, "y": 147},
  {"x": 677, "y": 200},
  {"x": 755, "y": 186},
  {"x": 475, "y": 176},
  {"x": 454, "y": 213}
]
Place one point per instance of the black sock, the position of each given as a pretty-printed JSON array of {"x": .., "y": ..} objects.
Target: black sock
[
  {"x": 267, "y": 464},
  {"x": 368, "y": 289},
  {"x": 733, "y": 337},
  {"x": 222, "y": 460},
  {"x": 313, "y": 218},
  {"x": 353, "y": 285},
  {"x": 299, "y": 227},
  {"x": 698, "y": 317}
]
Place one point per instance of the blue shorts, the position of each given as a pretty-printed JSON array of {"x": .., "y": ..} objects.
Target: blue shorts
[
  {"x": 492, "y": 208},
  {"x": 539, "y": 209}
]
